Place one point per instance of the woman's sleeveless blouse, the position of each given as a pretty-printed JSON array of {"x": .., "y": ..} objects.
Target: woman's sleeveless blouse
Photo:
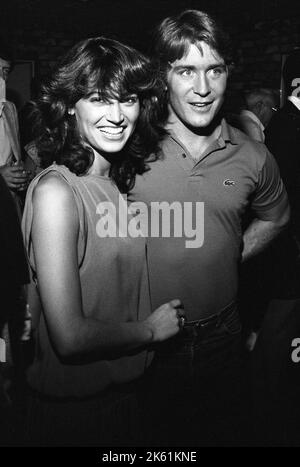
[{"x": 113, "y": 274}]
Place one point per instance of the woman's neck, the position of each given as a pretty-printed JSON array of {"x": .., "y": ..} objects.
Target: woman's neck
[{"x": 100, "y": 166}]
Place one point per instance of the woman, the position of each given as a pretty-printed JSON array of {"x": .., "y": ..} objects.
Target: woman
[{"x": 96, "y": 321}]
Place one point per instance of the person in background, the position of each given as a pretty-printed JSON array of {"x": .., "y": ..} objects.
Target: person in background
[
  {"x": 96, "y": 320},
  {"x": 253, "y": 118},
  {"x": 12, "y": 168},
  {"x": 215, "y": 173},
  {"x": 16, "y": 176},
  {"x": 261, "y": 105},
  {"x": 13, "y": 275},
  {"x": 283, "y": 137},
  {"x": 276, "y": 373}
]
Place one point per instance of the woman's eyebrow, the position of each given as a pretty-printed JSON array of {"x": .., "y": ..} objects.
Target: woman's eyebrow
[{"x": 187, "y": 67}]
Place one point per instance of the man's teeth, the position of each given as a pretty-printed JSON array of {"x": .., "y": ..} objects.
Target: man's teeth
[
  {"x": 112, "y": 131},
  {"x": 201, "y": 105}
]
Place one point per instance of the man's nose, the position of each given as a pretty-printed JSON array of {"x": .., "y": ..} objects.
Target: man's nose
[
  {"x": 115, "y": 113},
  {"x": 201, "y": 85}
]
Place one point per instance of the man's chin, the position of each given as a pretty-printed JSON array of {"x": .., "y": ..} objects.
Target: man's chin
[{"x": 204, "y": 126}]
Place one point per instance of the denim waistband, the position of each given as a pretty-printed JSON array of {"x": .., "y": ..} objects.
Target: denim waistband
[{"x": 214, "y": 319}]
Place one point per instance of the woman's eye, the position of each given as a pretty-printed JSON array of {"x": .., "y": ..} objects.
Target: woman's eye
[
  {"x": 186, "y": 72},
  {"x": 96, "y": 99},
  {"x": 130, "y": 100}
]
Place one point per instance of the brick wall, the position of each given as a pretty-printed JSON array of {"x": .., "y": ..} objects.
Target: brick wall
[
  {"x": 260, "y": 51},
  {"x": 42, "y": 31}
]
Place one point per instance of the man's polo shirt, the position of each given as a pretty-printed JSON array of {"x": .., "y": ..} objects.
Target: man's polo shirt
[{"x": 231, "y": 174}]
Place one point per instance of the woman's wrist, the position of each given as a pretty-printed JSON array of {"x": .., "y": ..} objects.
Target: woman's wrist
[{"x": 146, "y": 331}]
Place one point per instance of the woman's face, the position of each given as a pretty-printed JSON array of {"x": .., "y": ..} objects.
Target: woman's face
[{"x": 106, "y": 125}]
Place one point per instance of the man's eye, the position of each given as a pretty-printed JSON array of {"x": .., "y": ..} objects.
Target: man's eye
[{"x": 216, "y": 72}]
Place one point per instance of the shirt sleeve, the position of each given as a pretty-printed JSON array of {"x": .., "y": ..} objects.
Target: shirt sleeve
[{"x": 270, "y": 196}]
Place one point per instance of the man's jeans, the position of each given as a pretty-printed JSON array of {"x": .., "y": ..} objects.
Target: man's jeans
[{"x": 193, "y": 388}]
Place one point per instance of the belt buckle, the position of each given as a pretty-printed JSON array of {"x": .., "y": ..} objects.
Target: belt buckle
[
  {"x": 202, "y": 325},
  {"x": 210, "y": 322},
  {"x": 201, "y": 328}
]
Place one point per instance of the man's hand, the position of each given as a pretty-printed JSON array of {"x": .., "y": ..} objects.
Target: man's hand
[{"x": 16, "y": 177}]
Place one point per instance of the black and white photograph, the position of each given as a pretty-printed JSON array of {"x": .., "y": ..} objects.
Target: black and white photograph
[{"x": 149, "y": 226}]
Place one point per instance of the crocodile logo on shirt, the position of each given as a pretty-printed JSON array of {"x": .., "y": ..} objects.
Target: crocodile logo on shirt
[{"x": 228, "y": 182}]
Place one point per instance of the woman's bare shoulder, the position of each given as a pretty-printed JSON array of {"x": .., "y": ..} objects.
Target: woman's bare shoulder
[
  {"x": 52, "y": 186},
  {"x": 53, "y": 200}
]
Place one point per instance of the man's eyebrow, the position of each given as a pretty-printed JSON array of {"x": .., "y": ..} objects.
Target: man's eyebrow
[{"x": 217, "y": 65}]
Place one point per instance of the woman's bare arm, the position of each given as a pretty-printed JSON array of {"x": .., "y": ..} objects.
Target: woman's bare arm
[{"x": 54, "y": 236}]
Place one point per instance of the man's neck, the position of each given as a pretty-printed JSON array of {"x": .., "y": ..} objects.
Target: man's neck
[{"x": 196, "y": 142}]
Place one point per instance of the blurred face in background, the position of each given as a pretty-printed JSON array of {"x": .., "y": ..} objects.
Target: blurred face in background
[{"x": 5, "y": 67}]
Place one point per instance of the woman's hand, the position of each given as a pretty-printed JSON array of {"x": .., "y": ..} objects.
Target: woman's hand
[{"x": 166, "y": 320}]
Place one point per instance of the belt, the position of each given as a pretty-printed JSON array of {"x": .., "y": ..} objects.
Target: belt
[{"x": 212, "y": 320}]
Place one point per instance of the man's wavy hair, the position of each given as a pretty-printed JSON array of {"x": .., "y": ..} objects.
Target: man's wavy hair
[
  {"x": 115, "y": 71},
  {"x": 174, "y": 36}
]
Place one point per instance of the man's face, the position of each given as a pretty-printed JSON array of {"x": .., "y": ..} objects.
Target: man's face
[
  {"x": 267, "y": 111},
  {"x": 196, "y": 87},
  {"x": 4, "y": 68}
]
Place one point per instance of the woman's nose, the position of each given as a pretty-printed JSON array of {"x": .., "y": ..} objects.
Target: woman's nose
[{"x": 115, "y": 114}]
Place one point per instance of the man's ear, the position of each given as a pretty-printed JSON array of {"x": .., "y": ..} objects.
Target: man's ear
[{"x": 259, "y": 107}]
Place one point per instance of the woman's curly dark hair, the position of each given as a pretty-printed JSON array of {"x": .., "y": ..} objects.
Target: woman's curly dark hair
[{"x": 116, "y": 71}]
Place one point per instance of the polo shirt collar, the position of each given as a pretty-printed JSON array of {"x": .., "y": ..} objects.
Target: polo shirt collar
[{"x": 227, "y": 135}]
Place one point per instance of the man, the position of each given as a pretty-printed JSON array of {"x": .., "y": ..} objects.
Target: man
[
  {"x": 283, "y": 136},
  {"x": 14, "y": 179},
  {"x": 11, "y": 167},
  {"x": 261, "y": 105},
  {"x": 194, "y": 389},
  {"x": 14, "y": 269},
  {"x": 276, "y": 372}
]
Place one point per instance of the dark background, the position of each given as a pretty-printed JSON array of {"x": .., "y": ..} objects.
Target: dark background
[{"x": 263, "y": 30}]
